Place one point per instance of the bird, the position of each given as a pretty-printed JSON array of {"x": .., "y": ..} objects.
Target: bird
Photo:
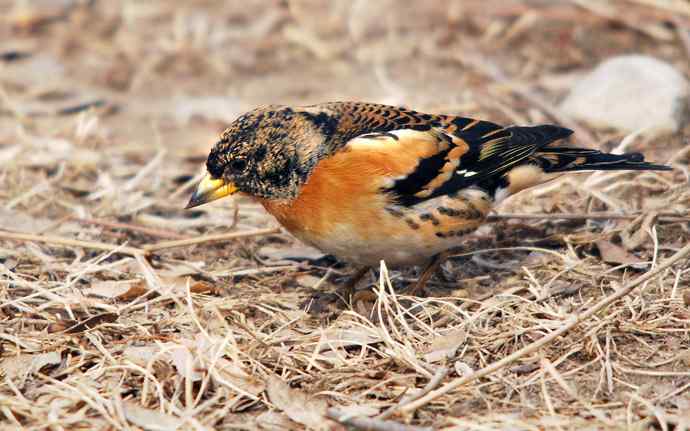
[{"x": 368, "y": 182}]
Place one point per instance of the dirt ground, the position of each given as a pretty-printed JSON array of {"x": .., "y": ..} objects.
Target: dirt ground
[{"x": 117, "y": 311}]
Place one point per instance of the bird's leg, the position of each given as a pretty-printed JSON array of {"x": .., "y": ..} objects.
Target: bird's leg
[
  {"x": 429, "y": 270},
  {"x": 320, "y": 302},
  {"x": 349, "y": 288}
]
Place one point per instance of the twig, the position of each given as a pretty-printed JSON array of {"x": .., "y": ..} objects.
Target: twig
[
  {"x": 146, "y": 230},
  {"x": 187, "y": 184},
  {"x": 38, "y": 188},
  {"x": 254, "y": 271},
  {"x": 370, "y": 424},
  {"x": 209, "y": 238},
  {"x": 133, "y": 251},
  {"x": 47, "y": 239},
  {"x": 435, "y": 381},
  {"x": 667, "y": 217},
  {"x": 533, "y": 347}
]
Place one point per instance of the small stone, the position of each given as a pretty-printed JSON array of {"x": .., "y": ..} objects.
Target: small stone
[
  {"x": 308, "y": 281},
  {"x": 630, "y": 93},
  {"x": 686, "y": 298}
]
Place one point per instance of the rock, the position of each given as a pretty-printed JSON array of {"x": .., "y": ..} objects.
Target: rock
[{"x": 631, "y": 93}]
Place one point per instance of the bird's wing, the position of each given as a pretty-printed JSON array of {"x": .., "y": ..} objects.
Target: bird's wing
[{"x": 441, "y": 155}]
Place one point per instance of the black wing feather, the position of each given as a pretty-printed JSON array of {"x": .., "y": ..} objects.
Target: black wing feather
[{"x": 493, "y": 150}]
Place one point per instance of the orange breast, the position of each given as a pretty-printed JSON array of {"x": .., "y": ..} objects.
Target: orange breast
[{"x": 343, "y": 190}]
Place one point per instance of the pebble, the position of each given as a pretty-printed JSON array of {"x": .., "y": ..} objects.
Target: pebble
[{"x": 631, "y": 93}]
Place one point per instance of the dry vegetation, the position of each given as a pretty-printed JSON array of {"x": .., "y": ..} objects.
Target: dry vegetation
[{"x": 107, "y": 111}]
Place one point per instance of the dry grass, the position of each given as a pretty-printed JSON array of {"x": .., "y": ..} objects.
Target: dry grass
[{"x": 115, "y": 313}]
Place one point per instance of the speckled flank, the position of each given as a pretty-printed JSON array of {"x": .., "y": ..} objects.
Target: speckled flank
[
  {"x": 450, "y": 217},
  {"x": 429, "y": 217},
  {"x": 394, "y": 211},
  {"x": 411, "y": 223}
]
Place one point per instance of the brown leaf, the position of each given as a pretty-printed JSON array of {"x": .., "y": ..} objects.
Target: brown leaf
[
  {"x": 150, "y": 420},
  {"x": 110, "y": 288},
  {"x": 202, "y": 287},
  {"x": 133, "y": 292},
  {"x": 615, "y": 254},
  {"x": 178, "y": 285},
  {"x": 298, "y": 406},
  {"x": 92, "y": 322}
]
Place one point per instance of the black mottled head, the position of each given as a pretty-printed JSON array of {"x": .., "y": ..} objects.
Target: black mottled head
[{"x": 270, "y": 152}]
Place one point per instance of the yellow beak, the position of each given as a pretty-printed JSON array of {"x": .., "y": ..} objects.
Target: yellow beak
[{"x": 210, "y": 189}]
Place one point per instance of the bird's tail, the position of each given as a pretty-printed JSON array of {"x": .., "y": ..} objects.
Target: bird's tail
[
  {"x": 546, "y": 163},
  {"x": 578, "y": 159}
]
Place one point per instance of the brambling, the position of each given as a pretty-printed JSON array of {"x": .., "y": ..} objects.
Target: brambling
[{"x": 367, "y": 182}]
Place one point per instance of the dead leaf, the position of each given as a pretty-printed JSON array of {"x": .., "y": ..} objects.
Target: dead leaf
[
  {"x": 234, "y": 374},
  {"x": 298, "y": 406},
  {"x": 359, "y": 410},
  {"x": 184, "y": 361},
  {"x": 141, "y": 355},
  {"x": 202, "y": 287},
  {"x": 617, "y": 255},
  {"x": 133, "y": 292},
  {"x": 337, "y": 338},
  {"x": 178, "y": 285},
  {"x": 110, "y": 288},
  {"x": 150, "y": 420},
  {"x": 19, "y": 367},
  {"x": 274, "y": 421},
  {"x": 92, "y": 322},
  {"x": 445, "y": 346},
  {"x": 308, "y": 281},
  {"x": 61, "y": 325},
  {"x": 287, "y": 255}
]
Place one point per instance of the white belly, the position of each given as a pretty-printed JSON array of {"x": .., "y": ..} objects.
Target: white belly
[{"x": 404, "y": 248}]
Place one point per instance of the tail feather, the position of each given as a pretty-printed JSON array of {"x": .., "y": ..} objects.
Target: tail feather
[
  {"x": 578, "y": 159},
  {"x": 546, "y": 161}
]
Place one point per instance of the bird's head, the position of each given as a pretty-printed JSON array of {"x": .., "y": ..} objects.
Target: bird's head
[{"x": 266, "y": 153}]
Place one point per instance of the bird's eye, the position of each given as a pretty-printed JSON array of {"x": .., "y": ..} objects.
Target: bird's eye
[{"x": 238, "y": 165}]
